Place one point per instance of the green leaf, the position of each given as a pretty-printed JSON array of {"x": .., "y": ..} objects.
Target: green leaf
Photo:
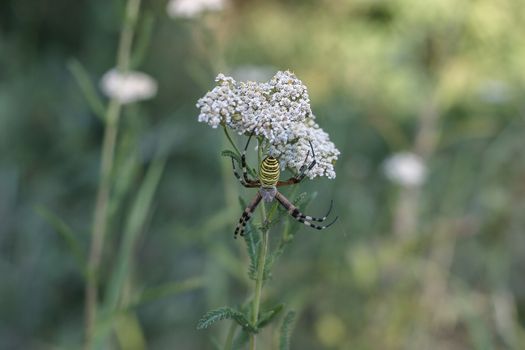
[
  {"x": 134, "y": 224},
  {"x": 285, "y": 331},
  {"x": 227, "y": 153},
  {"x": 252, "y": 268},
  {"x": 215, "y": 343},
  {"x": 252, "y": 240},
  {"x": 302, "y": 201},
  {"x": 168, "y": 290},
  {"x": 67, "y": 234},
  {"x": 269, "y": 316},
  {"x": 268, "y": 264},
  {"x": 87, "y": 88},
  {"x": 231, "y": 154},
  {"x": 241, "y": 340},
  {"x": 225, "y": 313}
]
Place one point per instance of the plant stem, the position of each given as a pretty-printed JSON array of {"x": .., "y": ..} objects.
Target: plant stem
[
  {"x": 261, "y": 261},
  {"x": 229, "y": 338},
  {"x": 100, "y": 219},
  {"x": 231, "y": 141},
  {"x": 258, "y": 285}
]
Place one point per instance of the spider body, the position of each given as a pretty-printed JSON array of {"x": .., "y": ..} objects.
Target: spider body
[
  {"x": 267, "y": 182},
  {"x": 269, "y": 173}
]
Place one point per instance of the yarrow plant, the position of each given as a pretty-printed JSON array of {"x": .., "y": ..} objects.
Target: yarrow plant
[{"x": 278, "y": 114}]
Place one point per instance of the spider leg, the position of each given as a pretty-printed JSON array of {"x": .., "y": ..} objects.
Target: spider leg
[
  {"x": 297, "y": 215},
  {"x": 243, "y": 161},
  {"x": 249, "y": 183},
  {"x": 246, "y": 215},
  {"x": 302, "y": 171}
]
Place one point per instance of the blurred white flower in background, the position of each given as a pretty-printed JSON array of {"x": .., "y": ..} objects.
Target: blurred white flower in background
[
  {"x": 193, "y": 8},
  {"x": 494, "y": 91},
  {"x": 128, "y": 87},
  {"x": 277, "y": 110},
  {"x": 406, "y": 169}
]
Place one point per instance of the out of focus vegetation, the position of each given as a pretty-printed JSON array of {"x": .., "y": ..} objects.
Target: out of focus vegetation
[{"x": 442, "y": 78}]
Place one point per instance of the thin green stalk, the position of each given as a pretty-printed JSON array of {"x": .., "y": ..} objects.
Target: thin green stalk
[
  {"x": 228, "y": 344},
  {"x": 231, "y": 141},
  {"x": 100, "y": 221},
  {"x": 108, "y": 154},
  {"x": 256, "y": 303},
  {"x": 259, "y": 282}
]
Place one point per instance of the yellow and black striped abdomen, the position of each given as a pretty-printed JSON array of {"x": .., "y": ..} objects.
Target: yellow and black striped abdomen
[{"x": 269, "y": 172}]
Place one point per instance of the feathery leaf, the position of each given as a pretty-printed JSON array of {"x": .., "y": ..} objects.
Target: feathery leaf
[
  {"x": 269, "y": 316},
  {"x": 224, "y": 313},
  {"x": 286, "y": 329}
]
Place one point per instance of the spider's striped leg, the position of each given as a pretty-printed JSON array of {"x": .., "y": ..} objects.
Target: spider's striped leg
[
  {"x": 249, "y": 183},
  {"x": 243, "y": 161},
  {"x": 246, "y": 215},
  {"x": 297, "y": 215}
]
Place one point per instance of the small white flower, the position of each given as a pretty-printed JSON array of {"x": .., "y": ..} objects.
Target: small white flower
[
  {"x": 193, "y": 8},
  {"x": 406, "y": 169},
  {"x": 128, "y": 87}
]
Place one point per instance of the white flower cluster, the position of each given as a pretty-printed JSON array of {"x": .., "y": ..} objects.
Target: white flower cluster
[
  {"x": 193, "y": 8},
  {"x": 128, "y": 87},
  {"x": 406, "y": 169},
  {"x": 279, "y": 111}
]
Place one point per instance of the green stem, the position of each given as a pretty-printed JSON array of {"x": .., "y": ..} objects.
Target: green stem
[
  {"x": 229, "y": 338},
  {"x": 259, "y": 284},
  {"x": 100, "y": 218},
  {"x": 231, "y": 141},
  {"x": 260, "y": 263}
]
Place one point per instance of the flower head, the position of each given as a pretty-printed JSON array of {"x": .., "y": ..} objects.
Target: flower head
[
  {"x": 193, "y": 8},
  {"x": 406, "y": 169},
  {"x": 129, "y": 86},
  {"x": 279, "y": 112}
]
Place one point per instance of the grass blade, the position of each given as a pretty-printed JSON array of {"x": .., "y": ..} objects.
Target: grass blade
[
  {"x": 67, "y": 234},
  {"x": 87, "y": 88},
  {"x": 135, "y": 222},
  {"x": 168, "y": 290}
]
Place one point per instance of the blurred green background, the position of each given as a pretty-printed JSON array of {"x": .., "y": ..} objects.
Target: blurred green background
[{"x": 444, "y": 79}]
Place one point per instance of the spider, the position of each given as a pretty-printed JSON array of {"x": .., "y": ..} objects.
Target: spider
[{"x": 267, "y": 183}]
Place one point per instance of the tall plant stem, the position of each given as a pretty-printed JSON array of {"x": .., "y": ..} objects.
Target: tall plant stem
[
  {"x": 231, "y": 141},
  {"x": 103, "y": 193},
  {"x": 259, "y": 284},
  {"x": 261, "y": 260}
]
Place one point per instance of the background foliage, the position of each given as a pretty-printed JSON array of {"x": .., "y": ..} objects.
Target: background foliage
[{"x": 442, "y": 78}]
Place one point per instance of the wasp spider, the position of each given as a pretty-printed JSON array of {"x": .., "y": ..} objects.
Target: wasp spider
[{"x": 267, "y": 183}]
